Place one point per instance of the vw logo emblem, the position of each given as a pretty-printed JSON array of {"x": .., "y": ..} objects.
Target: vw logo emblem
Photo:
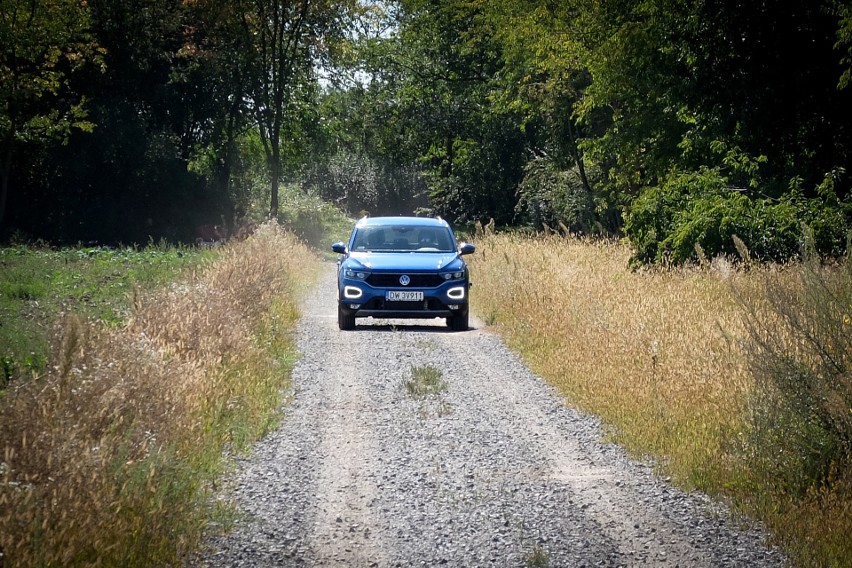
[{"x": 405, "y": 280}]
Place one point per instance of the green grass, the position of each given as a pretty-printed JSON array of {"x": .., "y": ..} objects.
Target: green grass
[
  {"x": 39, "y": 286},
  {"x": 425, "y": 381},
  {"x": 538, "y": 558}
]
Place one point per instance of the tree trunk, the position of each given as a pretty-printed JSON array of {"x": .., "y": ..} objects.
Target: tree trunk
[
  {"x": 578, "y": 159},
  {"x": 275, "y": 173},
  {"x": 5, "y": 173},
  {"x": 229, "y": 150}
]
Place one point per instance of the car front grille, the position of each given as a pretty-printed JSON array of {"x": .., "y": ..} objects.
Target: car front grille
[{"x": 383, "y": 280}]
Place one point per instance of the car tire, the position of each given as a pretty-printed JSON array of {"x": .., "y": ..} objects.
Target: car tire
[
  {"x": 345, "y": 318},
  {"x": 460, "y": 322}
]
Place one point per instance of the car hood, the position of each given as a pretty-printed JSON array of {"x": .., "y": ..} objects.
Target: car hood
[{"x": 394, "y": 261}]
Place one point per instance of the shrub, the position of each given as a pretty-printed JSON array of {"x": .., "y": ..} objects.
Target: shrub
[
  {"x": 309, "y": 217},
  {"x": 549, "y": 195},
  {"x": 800, "y": 354},
  {"x": 356, "y": 182},
  {"x": 697, "y": 210}
]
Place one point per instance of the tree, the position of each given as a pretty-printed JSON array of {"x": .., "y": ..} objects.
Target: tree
[
  {"x": 542, "y": 74},
  {"x": 129, "y": 180},
  {"x": 543, "y": 78},
  {"x": 218, "y": 48},
  {"x": 289, "y": 40},
  {"x": 43, "y": 43},
  {"x": 844, "y": 41},
  {"x": 432, "y": 78},
  {"x": 678, "y": 76}
]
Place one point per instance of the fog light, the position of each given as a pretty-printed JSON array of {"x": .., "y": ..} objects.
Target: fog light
[
  {"x": 352, "y": 293},
  {"x": 354, "y": 306},
  {"x": 456, "y": 293},
  {"x": 453, "y": 306}
]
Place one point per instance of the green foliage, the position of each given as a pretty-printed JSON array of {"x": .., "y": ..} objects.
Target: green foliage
[
  {"x": 668, "y": 223},
  {"x": 359, "y": 183},
  {"x": 428, "y": 105},
  {"x": 247, "y": 180},
  {"x": 844, "y": 42},
  {"x": 285, "y": 40},
  {"x": 204, "y": 107},
  {"x": 800, "y": 352},
  {"x": 548, "y": 195},
  {"x": 176, "y": 144},
  {"x": 478, "y": 172},
  {"x": 538, "y": 558},
  {"x": 311, "y": 218},
  {"x": 43, "y": 43},
  {"x": 671, "y": 85}
]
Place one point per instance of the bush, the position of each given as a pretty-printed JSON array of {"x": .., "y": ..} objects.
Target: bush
[
  {"x": 800, "y": 354},
  {"x": 549, "y": 195},
  {"x": 309, "y": 217},
  {"x": 356, "y": 183},
  {"x": 697, "y": 211}
]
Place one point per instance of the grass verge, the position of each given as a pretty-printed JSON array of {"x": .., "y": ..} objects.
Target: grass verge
[
  {"x": 110, "y": 454},
  {"x": 661, "y": 356}
]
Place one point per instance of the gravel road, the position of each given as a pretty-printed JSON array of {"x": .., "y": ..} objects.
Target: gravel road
[{"x": 491, "y": 470}]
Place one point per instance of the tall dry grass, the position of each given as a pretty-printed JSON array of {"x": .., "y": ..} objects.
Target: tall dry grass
[
  {"x": 660, "y": 356},
  {"x": 109, "y": 457}
]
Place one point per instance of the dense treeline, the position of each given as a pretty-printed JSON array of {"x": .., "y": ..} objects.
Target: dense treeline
[
  {"x": 125, "y": 120},
  {"x": 679, "y": 123}
]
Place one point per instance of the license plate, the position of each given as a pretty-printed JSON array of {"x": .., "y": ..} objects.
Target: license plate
[{"x": 403, "y": 296}]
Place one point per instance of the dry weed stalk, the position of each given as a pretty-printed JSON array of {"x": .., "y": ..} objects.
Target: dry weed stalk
[{"x": 98, "y": 454}]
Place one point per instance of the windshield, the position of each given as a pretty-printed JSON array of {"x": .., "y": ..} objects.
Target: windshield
[{"x": 399, "y": 238}]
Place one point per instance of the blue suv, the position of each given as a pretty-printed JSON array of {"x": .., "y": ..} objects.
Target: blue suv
[{"x": 402, "y": 267}]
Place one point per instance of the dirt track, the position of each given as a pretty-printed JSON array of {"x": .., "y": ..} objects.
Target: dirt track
[{"x": 493, "y": 470}]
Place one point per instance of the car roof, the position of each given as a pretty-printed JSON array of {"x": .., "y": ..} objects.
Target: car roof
[{"x": 408, "y": 221}]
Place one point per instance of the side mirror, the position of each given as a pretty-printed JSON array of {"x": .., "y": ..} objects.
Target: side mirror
[
  {"x": 339, "y": 248},
  {"x": 467, "y": 248}
]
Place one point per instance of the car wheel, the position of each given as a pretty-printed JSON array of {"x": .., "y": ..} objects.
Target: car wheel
[
  {"x": 345, "y": 318},
  {"x": 460, "y": 322}
]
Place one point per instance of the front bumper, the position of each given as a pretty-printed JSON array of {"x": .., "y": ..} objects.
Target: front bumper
[{"x": 363, "y": 300}]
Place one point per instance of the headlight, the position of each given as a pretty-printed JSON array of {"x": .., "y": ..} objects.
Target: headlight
[
  {"x": 453, "y": 275},
  {"x": 356, "y": 274}
]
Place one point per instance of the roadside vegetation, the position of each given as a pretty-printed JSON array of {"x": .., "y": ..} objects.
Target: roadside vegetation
[
  {"x": 39, "y": 285},
  {"x": 607, "y": 119},
  {"x": 734, "y": 378},
  {"x": 629, "y": 119},
  {"x": 112, "y": 446}
]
